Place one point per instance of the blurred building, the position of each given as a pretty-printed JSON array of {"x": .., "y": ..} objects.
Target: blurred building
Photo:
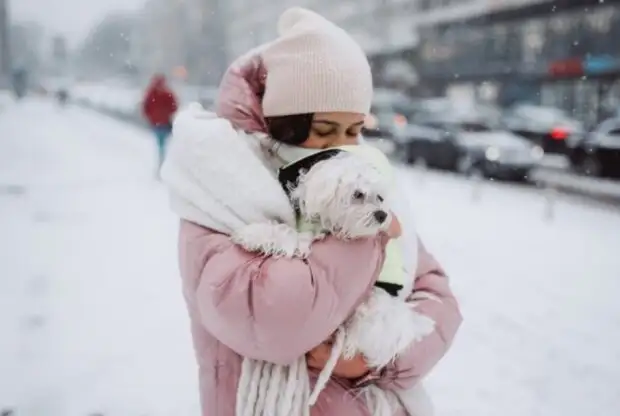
[
  {"x": 181, "y": 38},
  {"x": 106, "y": 52},
  {"x": 59, "y": 49},
  {"x": 5, "y": 45},
  {"x": 378, "y": 25},
  {"x": 157, "y": 41},
  {"x": 58, "y": 63},
  {"x": 384, "y": 28},
  {"x": 27, "y": 47},
  {"x": 555, "y": 52},
  {"x": 214, "y": 53},
  {"x": 560, "y": 53}
]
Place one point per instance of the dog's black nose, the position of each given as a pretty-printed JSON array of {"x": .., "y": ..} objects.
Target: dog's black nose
[{"x": 380, "y": 216}]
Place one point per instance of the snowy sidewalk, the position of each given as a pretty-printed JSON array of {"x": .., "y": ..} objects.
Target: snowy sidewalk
[
  {"x": 541, "y": 334},
  {"x": 92, "y": 317}
]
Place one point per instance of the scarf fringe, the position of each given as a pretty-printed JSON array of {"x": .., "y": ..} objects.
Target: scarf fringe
[{"x": 267, "y": 389}]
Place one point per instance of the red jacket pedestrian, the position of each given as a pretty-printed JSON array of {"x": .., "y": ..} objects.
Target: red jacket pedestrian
[{"x": 159, "y": 103}]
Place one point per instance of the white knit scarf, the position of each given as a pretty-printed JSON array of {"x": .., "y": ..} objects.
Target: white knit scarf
[{"x": 207, "y": 163}]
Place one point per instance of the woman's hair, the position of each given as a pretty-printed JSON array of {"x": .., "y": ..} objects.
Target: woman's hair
[{"x": 293, "y": 129}]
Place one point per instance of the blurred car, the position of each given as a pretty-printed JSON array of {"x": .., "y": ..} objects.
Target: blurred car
[
  {"x": 394, "y": 101},
  {"x": 598, "y": 153},
  {"x": 547, "y": 127},
  {"x": 470, "y": 143},
  {"x": 386, "y": 130},
  {"x": 388, "y": 117}
]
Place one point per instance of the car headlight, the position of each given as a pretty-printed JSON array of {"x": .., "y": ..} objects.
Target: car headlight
[
  {"x": 537, "y": 152},
  {"x": 492, "y": 154}
]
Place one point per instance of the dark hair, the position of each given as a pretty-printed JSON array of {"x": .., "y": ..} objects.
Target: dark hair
[{"x": 293, "y": 129}]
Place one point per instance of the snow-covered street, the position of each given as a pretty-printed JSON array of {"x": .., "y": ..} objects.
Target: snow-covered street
[{"x": 92, "y": 318}]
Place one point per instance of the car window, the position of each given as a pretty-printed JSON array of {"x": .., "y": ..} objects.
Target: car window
[
  {"x": 441, "y": 126},
  {"x": 431, "y": 123},
  {"x": 615, "y": 133},
  {"x": 541, "y": 114},
  {"x": 474, "y": 127},
  {"x": 607, "y": 126}
]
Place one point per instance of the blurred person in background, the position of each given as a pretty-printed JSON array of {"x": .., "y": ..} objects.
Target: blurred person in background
[
  {"x": 20, "y": 82},
  {"x": 159, "y": 107},
  {"x": 255, "y": 317},
  {"x": 62, "y": 96}
]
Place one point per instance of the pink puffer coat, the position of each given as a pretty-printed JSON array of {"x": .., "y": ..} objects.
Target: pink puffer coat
[{"x": 242, "y": 304}]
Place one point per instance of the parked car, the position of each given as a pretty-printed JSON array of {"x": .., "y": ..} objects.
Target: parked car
[
  {"x": 548, "y": 127},
  {"x": 598, "y": 153},
  {"x": 388, "y": 119},
  {"x": 470, "y": 143},
  {"x": 395, "y": 101},
  {"x": 392, "y": 132}
]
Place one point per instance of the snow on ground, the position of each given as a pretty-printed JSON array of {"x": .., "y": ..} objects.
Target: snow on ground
[
  {"x": 542, "y": 323},
  {"x": 92, "y": 317},
  {"x": 91, "y": 314},
  {"x": 6, "y": 98}
]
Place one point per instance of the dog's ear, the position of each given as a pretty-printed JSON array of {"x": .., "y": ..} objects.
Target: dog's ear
[
  {"x": 290, "y": 174},
  {"x": 317, "y": 190}
]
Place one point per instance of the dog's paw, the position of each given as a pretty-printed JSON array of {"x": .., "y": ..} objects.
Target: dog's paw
[
  {"x": 304, "y": 243},
  {"x": 250, "y": 237},
  {"x": 383, "y": 327},
  {"x": 271, "y": 239}
]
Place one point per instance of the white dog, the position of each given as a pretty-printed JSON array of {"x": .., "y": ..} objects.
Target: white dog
[{"x": 344, "y": 195}]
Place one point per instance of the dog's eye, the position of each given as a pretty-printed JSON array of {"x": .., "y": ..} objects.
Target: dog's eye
[
  {"x": 380, "y": 198},
  {"x": 358, "y": 195}
]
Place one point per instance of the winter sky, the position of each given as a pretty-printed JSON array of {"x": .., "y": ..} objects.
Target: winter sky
[{"x": 72, "y": 18}]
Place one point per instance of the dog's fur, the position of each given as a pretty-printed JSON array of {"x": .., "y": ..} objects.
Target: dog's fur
[
  {"x": 345, "y": 196},
  {"x": 341, "y": 196}
]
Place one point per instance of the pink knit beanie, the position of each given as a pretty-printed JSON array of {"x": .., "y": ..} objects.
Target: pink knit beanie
[{"x": 314, "y": 66}]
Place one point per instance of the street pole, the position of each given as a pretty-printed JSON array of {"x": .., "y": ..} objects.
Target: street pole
[{"x": 5, "y": 45}]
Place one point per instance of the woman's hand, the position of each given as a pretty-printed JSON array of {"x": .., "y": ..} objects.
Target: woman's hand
[
  {"x": 349, "y": 369},
  {"x": 394, "y": 230}
]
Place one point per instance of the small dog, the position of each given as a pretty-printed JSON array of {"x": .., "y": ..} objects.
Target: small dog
[
  {"x": 339, "y": 193},
  {"x": 342, "y": 195}
]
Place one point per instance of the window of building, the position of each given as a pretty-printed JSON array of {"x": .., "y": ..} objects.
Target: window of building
[
  {"x": 600, "y": 19},
  {"x": 533, "y": 40},
  {"x": 596, "y": 31},
  {"x": 562, "y": 36},
  {"x": 498, "y": 42},
  {"x": 560, "y": 23}
]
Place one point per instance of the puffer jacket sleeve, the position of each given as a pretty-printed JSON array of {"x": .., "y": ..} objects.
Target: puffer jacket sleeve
[
  {"x": 276, "y": 309},
  {"x": 433, "y": 298}
]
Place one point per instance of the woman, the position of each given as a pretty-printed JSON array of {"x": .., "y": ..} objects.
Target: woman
[
  {"x": 158, "y": 107},
  {"x": 309, "y": 89}
]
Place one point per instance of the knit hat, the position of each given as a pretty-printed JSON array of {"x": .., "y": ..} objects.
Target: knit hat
[{"x": 314, "y": 66}]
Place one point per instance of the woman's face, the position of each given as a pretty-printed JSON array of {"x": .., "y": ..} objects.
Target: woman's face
[{"x": 334, "y": 129}]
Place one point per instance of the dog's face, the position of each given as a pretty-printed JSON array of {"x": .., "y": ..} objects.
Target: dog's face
[{"x": 345, "y": 195}]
